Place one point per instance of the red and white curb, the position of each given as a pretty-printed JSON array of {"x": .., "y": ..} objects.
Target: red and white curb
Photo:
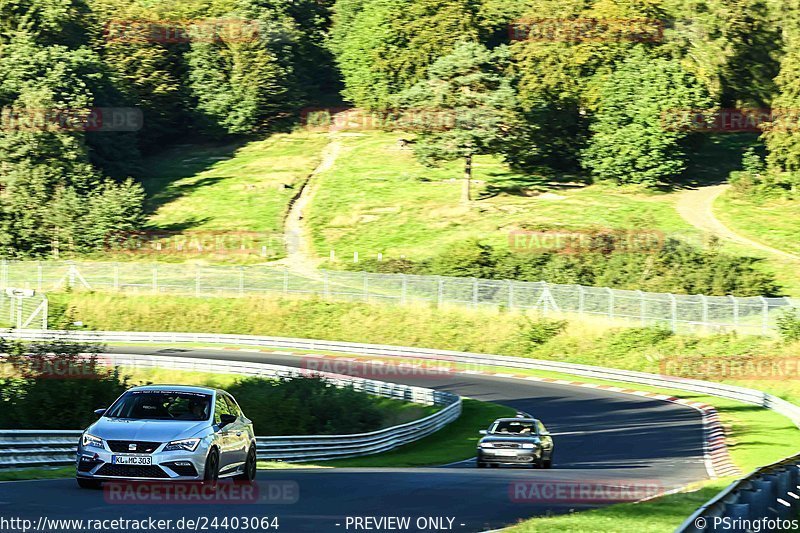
[{"x": 715, "y": 454}]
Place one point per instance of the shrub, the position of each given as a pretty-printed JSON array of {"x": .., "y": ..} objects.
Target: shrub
[{"x": 788, "y": 324}]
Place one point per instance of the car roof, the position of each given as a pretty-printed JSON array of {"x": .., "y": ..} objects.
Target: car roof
[
  {"x": 515, "y": 419},
  {"x": 177, "y": 388}
]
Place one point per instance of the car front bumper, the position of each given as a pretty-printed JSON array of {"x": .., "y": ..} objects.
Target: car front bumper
[
  {"x": 96, "y": 463},
  {"x": 509, "y": 456}
]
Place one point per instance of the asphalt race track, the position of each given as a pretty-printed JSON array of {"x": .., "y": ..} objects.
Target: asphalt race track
[{"x": 603, "y": 439}]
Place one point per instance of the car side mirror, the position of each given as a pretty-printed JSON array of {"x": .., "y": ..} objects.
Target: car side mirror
[
  {"x": 483, "y": 432},
  {"x": 224, "y": 420},
  {"x": 100, "y": 412}
]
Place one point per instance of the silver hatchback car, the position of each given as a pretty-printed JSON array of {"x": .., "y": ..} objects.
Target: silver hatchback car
[{"x": 168, "y": 432}]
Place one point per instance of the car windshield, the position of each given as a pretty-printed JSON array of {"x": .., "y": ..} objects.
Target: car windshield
[
  {"x": 514, "y": 427},
  {"x": 162, "y": 405}
]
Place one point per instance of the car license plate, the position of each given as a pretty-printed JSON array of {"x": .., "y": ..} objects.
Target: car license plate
[
  {"x": 505, "y": 453},
  {"x": 131, "y": 460}
]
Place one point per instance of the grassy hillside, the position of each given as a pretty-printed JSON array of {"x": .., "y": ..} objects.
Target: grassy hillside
[
  {"x": 378, "y": 198},
  {"x": 775, "y": 222},
  {"x": 230, "y": 188}
]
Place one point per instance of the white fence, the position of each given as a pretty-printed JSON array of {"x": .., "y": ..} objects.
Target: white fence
[
  {"x": 675, "y": 311},
  {"x": 20, "y": 448}
]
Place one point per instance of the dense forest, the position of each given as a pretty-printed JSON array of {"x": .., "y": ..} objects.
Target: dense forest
[{"x": 605, "y": 89}]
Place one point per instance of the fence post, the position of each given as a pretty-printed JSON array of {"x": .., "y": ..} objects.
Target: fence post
[
  {"x": 581, "y": 298},
  {"x": 764, "y": 315},
  {"x": 735, "y": 310},
  {"x": 642, "y": 308},
  {"x": 704, "y": 301},
  {"x": 155, "y": 279},
  {"x": 610, "y": 292},
  {"x": 673, "y": 303},
  {"x": 474, "y": 292}
]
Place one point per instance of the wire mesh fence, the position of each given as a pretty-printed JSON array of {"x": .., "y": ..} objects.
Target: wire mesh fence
[{"x": 675, "y": 311}]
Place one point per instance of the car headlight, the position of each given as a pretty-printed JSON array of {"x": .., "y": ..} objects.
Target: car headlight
[
  {"x": 90, "y": 441},
  {"x": 529, "y": 445},
  {"x": 188, "y": 445},
  {"x": 486, "y": 445}
]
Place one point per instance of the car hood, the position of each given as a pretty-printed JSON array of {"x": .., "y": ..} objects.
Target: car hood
[
  {"x": 146, "y": 430},
  {"x": 510, "y": 438}
]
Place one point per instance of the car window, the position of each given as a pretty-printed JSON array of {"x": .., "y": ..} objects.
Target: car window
[
  {"x": 221, "y": 408},
  {"x": 161, "y": 405},
  {"x": 540, "y": 428},
  {"x": 513, "y": 427},
  {"x": 233, "y": 408}
]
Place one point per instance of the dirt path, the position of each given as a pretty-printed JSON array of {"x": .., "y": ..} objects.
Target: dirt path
[
  {"x": 696, "y": 207},
  {"x": 300, "y": 257}
]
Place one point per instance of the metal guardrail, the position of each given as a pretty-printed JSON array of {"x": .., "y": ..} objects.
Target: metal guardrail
[
  {"x": 675, "y": 311},
  {"x": 725, "y": 502},
  {"x": 27, "y": 448},
  {"x": 770, "y": 495},
  {"x": 471, "y": 360}
]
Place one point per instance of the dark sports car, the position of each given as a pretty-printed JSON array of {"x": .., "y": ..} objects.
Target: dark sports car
[{"x": 516, "y": 441}]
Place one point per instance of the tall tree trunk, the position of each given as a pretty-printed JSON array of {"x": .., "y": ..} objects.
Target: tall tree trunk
[{"x": 466, "y": 193}]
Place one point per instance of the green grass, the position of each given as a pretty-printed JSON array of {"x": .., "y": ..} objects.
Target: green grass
[
  {"x": 21, "y": 474},
  {"x": 455, "y": 442},
  {"x": 229, "y": 188},
  {"x": 378, "y": 198},
  {"x": 774, "y": 222}
]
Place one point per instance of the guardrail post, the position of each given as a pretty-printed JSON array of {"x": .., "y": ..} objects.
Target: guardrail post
[
  {"x": 440, "y": 296},
  {"x": 704, "y": 305},
  {"x": 581, "y": 299},
  {"x": 770, "y": 496},
  {"x": 474, "y": 292},
  {"x": 365, "y": 286},
  {"x": 116, "y": 277},
  {"x": 783, "y": 483},
  {"x": 241, "y": 281},
  {"x": 642, "y": 308},
  {"x": 155, "y": 279},
  {"x": 403, "y": 288},
  {"x": 756, "y": 498},
  {"x": 764, "y": 315},
  {"x": 510, "y": 294},
  {"x": 737, "y": 510},
  {"x": 610, "y": 302}
]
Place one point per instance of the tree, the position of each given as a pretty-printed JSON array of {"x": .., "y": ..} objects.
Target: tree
[
  {"x": 634, "y": 137},
  {"x": 469, "y": 94}
]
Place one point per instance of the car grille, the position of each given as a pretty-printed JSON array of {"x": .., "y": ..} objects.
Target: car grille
[
  {"x": 131, "y": 471},
  {"x": 123, "y": 446},
  {"x": 506, "y": 444}
]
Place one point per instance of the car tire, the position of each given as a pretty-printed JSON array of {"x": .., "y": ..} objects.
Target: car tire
[
  {"x": 211, "y": 471},
  {"x": 548, "y": 463},
  {"x": 88, "y": 483},
  {"x": 481, "y": 464},
  {"x": 250, "y": 467}
]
